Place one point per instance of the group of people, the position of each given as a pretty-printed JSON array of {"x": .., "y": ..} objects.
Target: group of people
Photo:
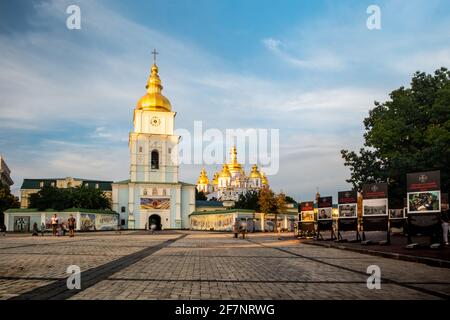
[{"x": 58, "y": 229}]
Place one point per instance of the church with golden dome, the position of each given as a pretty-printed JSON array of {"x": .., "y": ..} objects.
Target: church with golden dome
[
  {"x": 153, "y": 194},
  {"x": 231, "y": 181}
]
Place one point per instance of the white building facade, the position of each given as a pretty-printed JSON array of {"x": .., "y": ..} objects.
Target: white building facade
[{"x": 153, "y": 194}]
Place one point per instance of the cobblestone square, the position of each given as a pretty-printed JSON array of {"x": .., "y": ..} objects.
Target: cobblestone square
[{"x": 203, "y": 265}]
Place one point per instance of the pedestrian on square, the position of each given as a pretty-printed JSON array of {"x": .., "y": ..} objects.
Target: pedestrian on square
[
  {"x": 235, "y": 229},
  {"x": 279, "y": 230},
  {"x": 71, "y": 222},
  {"x": 153, "y": 228},
  {"x": 54, "y": 222},
  {"x": 243, "y": 228},
  {"x": 42, "y": 229},
  {"x": 35, "y": 229},
  {"x": 445, "y": 218},
  {"x": 3, "y": 229}
]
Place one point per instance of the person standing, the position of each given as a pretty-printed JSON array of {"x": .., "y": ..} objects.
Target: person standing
[
  {"x": 42, "y": 229},
  {"x": 243, "y": 228},
  {"x": 71, "y": 223},
  {"x": 54, "y": 222},
  {"x": 235, "y": 229},
  {"x": 3, "y": 229},
  {"x": 445, "y": 219}
]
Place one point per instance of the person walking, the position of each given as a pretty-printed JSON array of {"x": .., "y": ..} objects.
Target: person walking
[
  {"x": 279, "y": 230},
  {"x": 35, "y": 229},
  {"x": 42, "y": 229},
  {"x": 153, "y": 228},
  {"x": 54, "y": 222},
  {"x": 3, "y": 229},
  {"x": 235, "y": 229},
  {"x": 71, "y": 223},
  {"x": 445, "y": 219}
]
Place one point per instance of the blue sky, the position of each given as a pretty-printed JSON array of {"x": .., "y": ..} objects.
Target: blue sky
[{"x": 309, "y": 68}]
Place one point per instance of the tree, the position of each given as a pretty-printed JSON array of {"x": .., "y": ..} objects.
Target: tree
[
  {"x": 290, "y": 200},
  {"x": 280, "y": 204},
  {"x": 7, "y": 201},
  {"x": 266, "y": 201},
  {"x": 248, "y": 200},
  {"x": 200, "y": 195},
  {"x": 60, "y": 199},
  {"x": 408, "y": 133}
]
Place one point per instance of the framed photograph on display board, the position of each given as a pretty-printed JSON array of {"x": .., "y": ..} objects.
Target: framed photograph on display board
[
  {"x": 396, "y": 213},
  {"x": 347, "y": 204},
  {"x": 307, "y": 211},
  {"x": 424, "y": 194},
  {"x": 325, "y": 208},
  {"x": 375, "y": 207}
]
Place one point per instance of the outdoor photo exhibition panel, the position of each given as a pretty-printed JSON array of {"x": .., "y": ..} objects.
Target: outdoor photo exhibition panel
[
  {"x": 325, "y": 216},
  {"x": 306, "y": 219},
  {"x": 348, "y": 213},
  {"x": 423, "y": 203},
  {"x": 375, "y": 209}
]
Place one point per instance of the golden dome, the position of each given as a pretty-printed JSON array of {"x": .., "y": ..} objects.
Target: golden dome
[
  {"x": 234, "y": 165},
  {"x": 203, "y": 179},
  {"x": 154, "y": 100},
  {"x": 225, "y": 172},
  {"x": 216, "y": 178},
  {"x": 264, "y": 180},
  {"x": 255, "y": 173}
]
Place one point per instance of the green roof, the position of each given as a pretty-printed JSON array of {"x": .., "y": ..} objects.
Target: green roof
[
  {"x": 66, "y": 210},
  {"x": 222, "y": 211},
  {"x": 148, "y": 182},
  {"x": 36, "y": 183}
]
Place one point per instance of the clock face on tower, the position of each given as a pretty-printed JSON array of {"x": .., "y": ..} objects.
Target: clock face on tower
[{"x": 155, "y": 121}]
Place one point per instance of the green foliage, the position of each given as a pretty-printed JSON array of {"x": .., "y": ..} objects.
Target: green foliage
[
  {"x": 408, "y": 133},
  {"x": 267, "y": 201},
  {"x": 60, "y": 199},
  {"x": 200, "y": 195},
  {"x": 290, "y": 200},
  {"x": 248, "y": 200},
  {"x": 7, "y": 201}
]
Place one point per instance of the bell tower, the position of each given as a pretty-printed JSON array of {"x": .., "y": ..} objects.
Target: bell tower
[{"x": 153, "y": 146}]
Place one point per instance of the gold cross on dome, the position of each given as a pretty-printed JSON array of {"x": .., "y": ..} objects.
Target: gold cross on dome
[{"x": 154, "y": 53}]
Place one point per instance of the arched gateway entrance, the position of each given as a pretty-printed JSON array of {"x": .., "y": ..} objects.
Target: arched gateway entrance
[{"x": 156, "y": 220}]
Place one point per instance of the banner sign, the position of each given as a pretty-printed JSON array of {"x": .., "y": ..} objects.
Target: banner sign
[
  {"x": 325, "y": 208},
  {"x": 155, "y": 203},
  {"x": 423, "y": 181},
  {"x": 307, "y": 211},
  {"x": 424, "y": 193},
  {"x": 375, "y": 191},
  {"x": 347, "y": 197}
]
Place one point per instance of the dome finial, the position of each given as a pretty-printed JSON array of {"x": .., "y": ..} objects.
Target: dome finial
[{"x": 154, "y": 53}]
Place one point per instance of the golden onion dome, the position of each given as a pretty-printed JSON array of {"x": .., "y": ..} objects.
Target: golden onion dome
[
  {"x": 264, "y": 180},
  {"x": 255, "y": 172},
  {"x": 216, "y": 178},
  {"x": 203, "y": 179},
  {"x": 225, "y": 172},
  {"x": 153, "y": 100}
]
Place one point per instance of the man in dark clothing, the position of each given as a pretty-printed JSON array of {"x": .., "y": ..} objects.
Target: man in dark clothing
[{"x": 71, "y": 222}]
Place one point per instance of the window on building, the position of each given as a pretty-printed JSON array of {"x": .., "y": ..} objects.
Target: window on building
[
  {"x": 140, "y": 149},
  {"x": 122, "y": 209},
  {"x": 145, "y": 192},
  {"x": 155, "y": 192},
  {"x": 41, "y": 184},
  {"x": 164, "y": 192},
  {"x": 170, "y": 150},
  {"x": 96, "y": 186},
  {"x": 52, "y": 184},
  {"x": 155, "y": 160}
]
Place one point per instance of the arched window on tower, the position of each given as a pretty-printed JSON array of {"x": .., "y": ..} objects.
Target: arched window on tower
[{"x": 155, "y": 160}]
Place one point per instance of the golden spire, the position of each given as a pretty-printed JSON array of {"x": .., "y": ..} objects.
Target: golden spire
[
  {"x": 203, "y": 179},
  {"x": 154, "y": 100},
  {"x": 234, "y": 165}
]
